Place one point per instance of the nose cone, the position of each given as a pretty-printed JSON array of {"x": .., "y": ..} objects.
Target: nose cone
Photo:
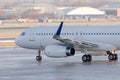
[{"x": 18, "y": 41}]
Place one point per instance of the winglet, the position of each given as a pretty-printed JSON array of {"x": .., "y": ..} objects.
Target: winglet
[{"x": 57, "y": 34}]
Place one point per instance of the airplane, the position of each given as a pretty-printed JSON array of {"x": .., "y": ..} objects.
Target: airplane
[{"x": 58, "y": 42}]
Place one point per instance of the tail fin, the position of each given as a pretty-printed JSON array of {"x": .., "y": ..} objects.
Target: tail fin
[{"x": 57, "y": 34}]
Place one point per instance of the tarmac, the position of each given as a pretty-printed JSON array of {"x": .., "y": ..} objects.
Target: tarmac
[{"x": 20, "y": 64}]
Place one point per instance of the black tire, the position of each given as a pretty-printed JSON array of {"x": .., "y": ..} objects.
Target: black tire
[
  {"x": 113, "y": 57},
  {"x": 90, "y": 57},
  {"x": 38, "y": 58},
  {"x": 86, "y": 58}
]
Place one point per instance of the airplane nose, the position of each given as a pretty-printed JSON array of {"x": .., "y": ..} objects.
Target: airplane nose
[{"x": 17, "y": 41}]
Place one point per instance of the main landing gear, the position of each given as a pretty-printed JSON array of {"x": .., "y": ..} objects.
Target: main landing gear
[
  {"x": 112, "y": 56},
  {"x": 39, "y": 57},
  {"x": 86, "y": 58}
]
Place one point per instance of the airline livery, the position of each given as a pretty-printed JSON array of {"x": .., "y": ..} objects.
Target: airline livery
[{"x": 64, "y": 41}]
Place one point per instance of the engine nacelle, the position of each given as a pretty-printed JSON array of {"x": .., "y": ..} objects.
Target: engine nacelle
[{"x": 58, "y": 51}]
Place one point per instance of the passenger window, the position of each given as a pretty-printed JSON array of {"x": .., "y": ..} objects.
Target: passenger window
[
  {"x": 83, "y": 33},
  {"x": 36, "y": 33},
  {"x": 41, "y": 33},
  {"x": 91, "y": 33},
  {"x": 115, "y": 33},
  {"x": 23, "y": 33}
]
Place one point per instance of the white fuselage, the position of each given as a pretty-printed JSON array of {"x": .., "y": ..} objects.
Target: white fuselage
[{"x": 37, "y": 37}]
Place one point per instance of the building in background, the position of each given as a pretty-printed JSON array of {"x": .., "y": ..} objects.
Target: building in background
[
  {"x": 111, "y": 9},
  {"x": 85, "y": 12},
  {"x": 53, "y": 9}
]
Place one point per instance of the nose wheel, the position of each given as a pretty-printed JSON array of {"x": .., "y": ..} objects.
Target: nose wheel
[{"x": 39, "y": 57}]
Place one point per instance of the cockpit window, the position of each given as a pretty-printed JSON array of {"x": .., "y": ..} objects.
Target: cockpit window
[{"x": 23, "y": 33}]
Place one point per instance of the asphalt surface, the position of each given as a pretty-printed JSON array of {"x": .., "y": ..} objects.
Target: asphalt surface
[{"x": 20, "y": 64}]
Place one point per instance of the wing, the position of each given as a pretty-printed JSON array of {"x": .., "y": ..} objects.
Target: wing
[{"x": 70, "y": 42}]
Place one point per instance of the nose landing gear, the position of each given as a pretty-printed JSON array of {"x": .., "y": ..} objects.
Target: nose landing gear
[{"x": 39, "y": 57}]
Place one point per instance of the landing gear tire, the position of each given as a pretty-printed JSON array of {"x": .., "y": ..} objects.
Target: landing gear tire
[
  {"x": 112, "y": 56},
  {"x": 38, "y": 58},
  {"x": 116, "y": 56},
  {"x": 86, "y": 58}
]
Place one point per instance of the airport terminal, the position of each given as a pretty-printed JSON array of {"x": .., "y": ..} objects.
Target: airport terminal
[{"x": 20, "y": 63}]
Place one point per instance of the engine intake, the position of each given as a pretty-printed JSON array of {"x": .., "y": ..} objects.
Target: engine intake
[
  {"x": 70, "y": 51},
  {"x": 58, "y": 51}
]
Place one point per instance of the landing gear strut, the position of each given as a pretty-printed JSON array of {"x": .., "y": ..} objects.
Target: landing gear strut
[
  {"x": 86, "y": 58},
  {"x": 39, "y": 57},
  {"x": 112, "y": 56}
]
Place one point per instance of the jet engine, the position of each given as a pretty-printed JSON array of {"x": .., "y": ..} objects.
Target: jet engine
[{"x": 58, "y": 51}]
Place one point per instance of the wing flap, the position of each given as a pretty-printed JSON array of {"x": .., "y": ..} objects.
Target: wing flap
[{"x": 76, "y": 43}]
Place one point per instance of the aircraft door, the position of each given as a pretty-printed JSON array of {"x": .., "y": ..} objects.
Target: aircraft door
[{"x": 32, "y": 36}]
